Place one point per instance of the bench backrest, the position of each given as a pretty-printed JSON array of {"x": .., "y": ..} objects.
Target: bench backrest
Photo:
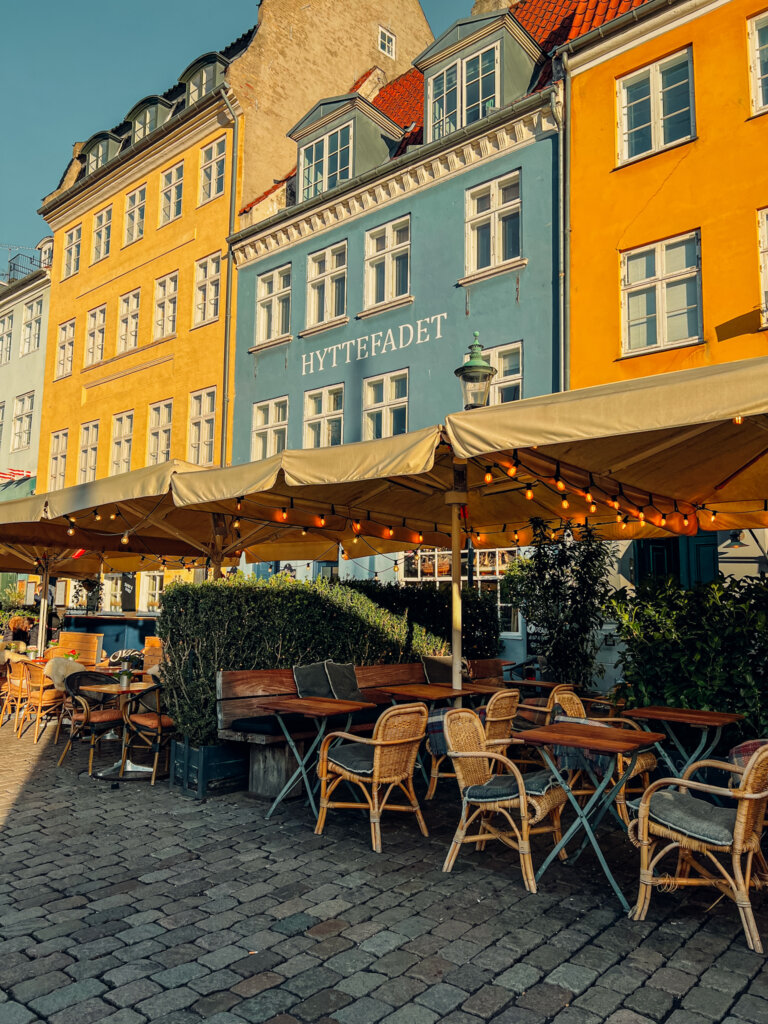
[
  {"x": 241, "y": 694},
  {"x": 153, "y": 652},
  {"x": 87, "y": 645},
  {"x": 486, "y": 668},
  {"x": 386, "y": 675}
]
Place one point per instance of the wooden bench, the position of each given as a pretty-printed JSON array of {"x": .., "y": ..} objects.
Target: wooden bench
[{"x": 87, "y": 645}]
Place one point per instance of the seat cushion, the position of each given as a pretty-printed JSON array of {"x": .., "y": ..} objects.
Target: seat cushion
[
  {"x": 353, "y": 757},
  {"x": 312, "y": 680},
  {"x": 692, "y": 816},
  {"x": 343, "y": 681},
  {"x": 100, "y": 717},
  {"x": 150, "y": 721},
  {"x": 505, "y": 787}
]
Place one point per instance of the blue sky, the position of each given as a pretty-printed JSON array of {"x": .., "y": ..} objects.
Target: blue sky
[{"x": 69, "y": 70}]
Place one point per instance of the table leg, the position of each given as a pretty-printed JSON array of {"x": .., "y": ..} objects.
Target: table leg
[{"x": 301, "y": 770}]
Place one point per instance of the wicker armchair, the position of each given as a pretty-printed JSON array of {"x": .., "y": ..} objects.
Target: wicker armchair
[
  {"x": 16, "y": 692},
  {"x": 500, "y": 712},
  {"x": 387, "y": 759},
  {"x": 671, "y": 816},
  {"x": 485, "y": 794},
  {"x": 89, "y": 716},
  {"x": 43, "y": 701},
  {"x": 146, "y": 723}
]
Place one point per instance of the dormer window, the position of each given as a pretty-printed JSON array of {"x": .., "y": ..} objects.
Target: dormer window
[
  {"x": 464, "y": 92},
  {"x": 145, "y": 123},
  {"x": 202, "y": 82},
  {"x": 326, "y": 162},
  {"x": 98, "y": 156}
]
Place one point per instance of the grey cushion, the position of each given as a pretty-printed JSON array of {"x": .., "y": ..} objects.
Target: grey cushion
[
  {"x": 312, "y": 680},
  {"x": 343, "y": 681},
  {"x": 504, "y": 787},
  {"x": 353, "y": 757},
  {"x": 692, "y": 816},
  {"x": 438, "y": 669}
]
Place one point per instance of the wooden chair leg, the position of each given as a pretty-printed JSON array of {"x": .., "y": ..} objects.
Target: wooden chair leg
[
  {"x": 557, "y": 830},
  {"x": 91, "y": 752},
  {"x": 375, "y": 819},
  {"x": 741, "y": 896},
  {"x": 124, "y": 756},
  {"x": 323, "y": 808},
  {"x": 458, "y": 838},
  {"x": 58, "y": 727},
  {"x": 640, "y": 909},
  {"x": 434, "y": 775},
  {"x": 526, "y": 862},
  {"x": 155, "y": 760},
  {"x": 416, "y": 808}
]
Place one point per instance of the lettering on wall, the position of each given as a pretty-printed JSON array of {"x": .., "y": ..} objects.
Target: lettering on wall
[{"x": 375, "y": 344}]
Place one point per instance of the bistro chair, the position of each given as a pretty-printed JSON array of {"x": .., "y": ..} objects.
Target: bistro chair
[
  {"x": 498, "y": 716},
  {"x": 89, "y": 717},
  {"x": 536, "y": 800},
  {"x": 709, "y": 839},
  {"x": 16, "y": 692},
  {"x": 43, "y": 701},
  {"x": 146, "y": 724},
  {"x": 386, "y": 760}
]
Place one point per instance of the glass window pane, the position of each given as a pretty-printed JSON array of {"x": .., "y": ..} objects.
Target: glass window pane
[
  {"x": 313, "y": 435},
  {"x": 482, "y": 246},
  {"x": 334, "y": 432},
  {"x": 281, "y": 412},
  {"x": 340, "y": 296},
  {"x": 400, "y": 387},
  {"x": 509, "y": 393},
  {"x": 509, "y": 364},
  {"x": 642, "y": 318},
  {"x": 399, "y": 418},
  {"x": 336, "y": 400},
  {"x": 281, "y": 440},
  {"x": 379, "y": 282},
  {"x": 375, "y": 392},
  {"x": 402, "y": 234},
  {"x": 374, "y": 425},
  {"x": 401, "y": 274},
  {"x": 510, "y": 192},
  {"x": 682, "y": 310},
  {"x": 483, "y": 202},
  {"x": 315, "y": 404},
  {"x": 510, "y": 236},
  {"x": 640, "y": 266},
  {"x": 679, "y": 255}
]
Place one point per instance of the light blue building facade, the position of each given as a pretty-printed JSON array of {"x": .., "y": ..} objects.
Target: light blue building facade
[{"x": 357, "y": 302}]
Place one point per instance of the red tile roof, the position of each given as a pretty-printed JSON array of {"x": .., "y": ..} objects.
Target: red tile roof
[
  {"x": 270, "y": 190},
  {"x": 403, "y": 99},
  {"x": 554, "y": 22}
]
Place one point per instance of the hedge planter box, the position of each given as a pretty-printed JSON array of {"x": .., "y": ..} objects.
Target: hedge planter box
[{"x": 205, "y": 771}]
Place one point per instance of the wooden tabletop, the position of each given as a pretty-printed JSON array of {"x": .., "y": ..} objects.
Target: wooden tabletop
[
  {"x": 684, "y": 716},
  {"x": 116, "y": 687},
  {"x": 541, "y": 683},
  {"x": 317, "y": 707},
  {"x": 430, "y": 691},
  {"x": 589, "y": 737}
]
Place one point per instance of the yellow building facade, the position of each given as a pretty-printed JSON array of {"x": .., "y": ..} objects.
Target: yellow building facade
[{"x": 667, "y": 248}]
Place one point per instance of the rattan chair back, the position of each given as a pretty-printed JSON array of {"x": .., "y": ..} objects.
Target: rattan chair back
[
  {"x": 464, "y": 734},
  {"x": 73, "y": 683},
  {"x": 499, "y": 713},
  {"x": 568, "y": 703},
  {"x": 18, "y": 678},
  {"x": 408, "y": 722},
  {"x": 750, "y": 814}
]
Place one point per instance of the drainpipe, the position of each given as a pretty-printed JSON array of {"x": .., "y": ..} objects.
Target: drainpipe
[
  {"x": 225, "y": 399},
  {"x": 563, "y": 170}
]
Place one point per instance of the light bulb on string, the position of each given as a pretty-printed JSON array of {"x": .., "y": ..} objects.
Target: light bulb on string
[
  {"x": 396, "y": 567},
  {"x": 124, "y": 539},
  {"x": 624, "y": 523},
  {"x": 421, "y": 537},
  {"x": 685, "y": 519},
  {"x": 565, "y": 503},
  {"x": 97, "y": 515},
  {"x": 712, "y": 516},
  {"x": 239, "y": 504},
  {"x": 322, "y": 520},
  {"x": 488, "y": 475},
  {"x": 391, "y": 531},
  {"x": 529, "y": 494},
  {"x": 375, "y": 577},
  {"x": 356, "y": 526},
  {"x": 303, "y": 533},
  {"x": 345, "y": 556},
  {"x": 284, "y": 513},
  {"x": 70, "y": 531},
  {"x": 517, "y": 537},
  {"x": 236, "y": 524},
  {"x": 559, "y": 484},
  {"x": 113, "y": 514},
  {"x": 738, "y": 420},
  {"x": 592, "y": 508},
  {"x": 663, "y": 521}
]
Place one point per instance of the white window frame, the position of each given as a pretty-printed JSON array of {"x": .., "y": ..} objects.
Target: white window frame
[
  {"x": 460, "y": 67},
  {"x": 95, "y": 334},
  {"x": 135, "y": 210},
  {"x": 21, "y": 425},
  {"x": 122, "y": 443},
  {"x": 6, "y": 338},
  {"x": 494, "y": 357},
  {"x": 325, "y": 418},
  {"x": 2, "y": 420},
  {"x": 128, "y": 321},
  {"x": 166, "y": 305},
  {"x": 273, "y": 305},
  {"x": 152, "y": 590},
  {"x": 98, "y": 156},
  {"x": 202, "y": 427},
  {"x": 387, "y": 255},
  {"x": 387, "y": 407},
  {"x": 202, "y": 82},
  {"x": 763, "y": 237},
  {"x": 326, "y": 275},
  {"x": 57, "y": 472},
  {"x": 102, "y": 234},
  {"x": 65, "y": 349},
  {"x": 88, "y": 453},
  {"x": 113, "y": 592},
  {"x": 659, "y": 282},
  {"x": 213, "y": 163},
  {"x": 171, "y": 193},
  {"x": 207, "y": 289},
  {"x": 269, "y": 428},
  {"x": 654, "y": 73},
  {"x": 145, "y": 122},
  {"x": 31, "y": 326},
  {"x": 495, "y": 215},
  {"x": 159, "y": 428},
  {"x": 321, "y": 152},
  {"x": 72, "y": 241},
  {"x": 387, "y": 42},
  {"x": 759, "y": 80}
]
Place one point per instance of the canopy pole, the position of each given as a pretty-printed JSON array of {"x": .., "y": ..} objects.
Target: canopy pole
[
  {"x": 455, "y": 598},
  {"x": 42, "y": 628}
]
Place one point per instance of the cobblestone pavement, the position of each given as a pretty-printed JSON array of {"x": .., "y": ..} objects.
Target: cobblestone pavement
[{"x": 134, "y": 904}]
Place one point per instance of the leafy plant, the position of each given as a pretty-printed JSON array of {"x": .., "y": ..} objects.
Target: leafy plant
[
  {"x": 253, "y": 624},
  {"x": 88, "y": 593},
  {"x": 10, "y": 598},
  {"x": 561, "y": 590}
]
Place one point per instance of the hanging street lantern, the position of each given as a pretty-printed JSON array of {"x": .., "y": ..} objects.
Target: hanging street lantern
[{"x": 475, "y": 377}]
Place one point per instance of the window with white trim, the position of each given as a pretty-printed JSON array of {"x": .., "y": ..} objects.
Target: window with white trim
[
  {"x": 65, "y": 348},
  {"x": 763, "y": 217},
  {"x": 387, "y": 262},
  {"x": 212, "y": 163},
  {"x": 464, "y": 92},
  {"x": 661, "y": 294},
  {"x": 656, "y": 106},
  {"x": 31, "y": 326},
  {"x": 6, "y": 338},
  {"x": 324, "y": 417},
  {"x": 269, "y": 431},
  {"x": 72, "y": 251},
  {"x": 145, "y": 123},
  {"x": 273, "y": 318},
  {"x": 493, "y": 214},
  {"x": 135, "y": 206},
  {"x": 202, "y": 426},
  {"x": 21, "y": 428},
  {"x": 128, "y": 324},
  {"x": 113, "y": 592},
  {"x": 153, "y": 590},
  {"x": 58, "y": 467},
  {"x": 387, "y": 42},
  {"x": 166, "y": 296},
  {"x": 89, "y": 450},
  {"x": 102, "y": 234},
  {"x": 171, "y": 193},
  {"x": 327, "y": 284},
  {"x": 159, "y": 434},
  {"x": 202, "y": 82},
  {"x": 207, "y": 281},
  {"x": 758, "y": 45},
  {"x": 122, "y": 442},
  {"x": 98, "y": 156},
  {"x": 385, "y": 405},
  {"x": 507, "y": 385},
  {"x": 326, "y": 161},
  {"x": 94, "y": 335},
  {"x": 2, "y": 420}
]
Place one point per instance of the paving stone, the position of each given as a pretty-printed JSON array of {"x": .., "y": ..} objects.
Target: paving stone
[
  {"x": 15, "y": 1013},
  {"x": 411, "y": 1015},
  {"x": 723, "y": 981},
  {"x": 327, "y": 1001},
  {"x": 85, "y": 1012},
  {"x": 442, "y": 998},
  {"x": 365, "y": 1010},
  {"x": 360, "y": 984},
  {"x": 670, "y": 980},
  {"x": 266, "y": 1005},
  {"x": 61, "y": 998},
  {"x": 173, "y": 977},
  {"x": 751, "y": 1009},
  {"x": 630, "y": 1017},
  {"x": 215, "y": 981},
  {"x": 573, "y": 977},
  {"x": 576, "y": 1015},
  {"x": 519, "y": 978},
  {"x": 311, "y": 981},
  {"x": 652, "y": 1002},
  {"x": 487, "y": 1000},
  {"x": 599, "y": 1000},
  {"x": 545, "y": 999},
  {"x": 167, "y": 1001},
  {"x": 132, "y": 993},
  {"x": 217, "y": 1002},
  {"x": 708, "y": 1002}
]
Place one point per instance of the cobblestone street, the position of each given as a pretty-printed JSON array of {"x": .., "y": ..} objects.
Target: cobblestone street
[{"x": 134, "y": 904}]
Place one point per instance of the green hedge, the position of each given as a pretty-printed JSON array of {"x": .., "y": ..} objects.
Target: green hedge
[
  {"x": 253, "y": 624},
  {"x": 704, "y": 648},
  {"x": 431, "y": 609}
]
